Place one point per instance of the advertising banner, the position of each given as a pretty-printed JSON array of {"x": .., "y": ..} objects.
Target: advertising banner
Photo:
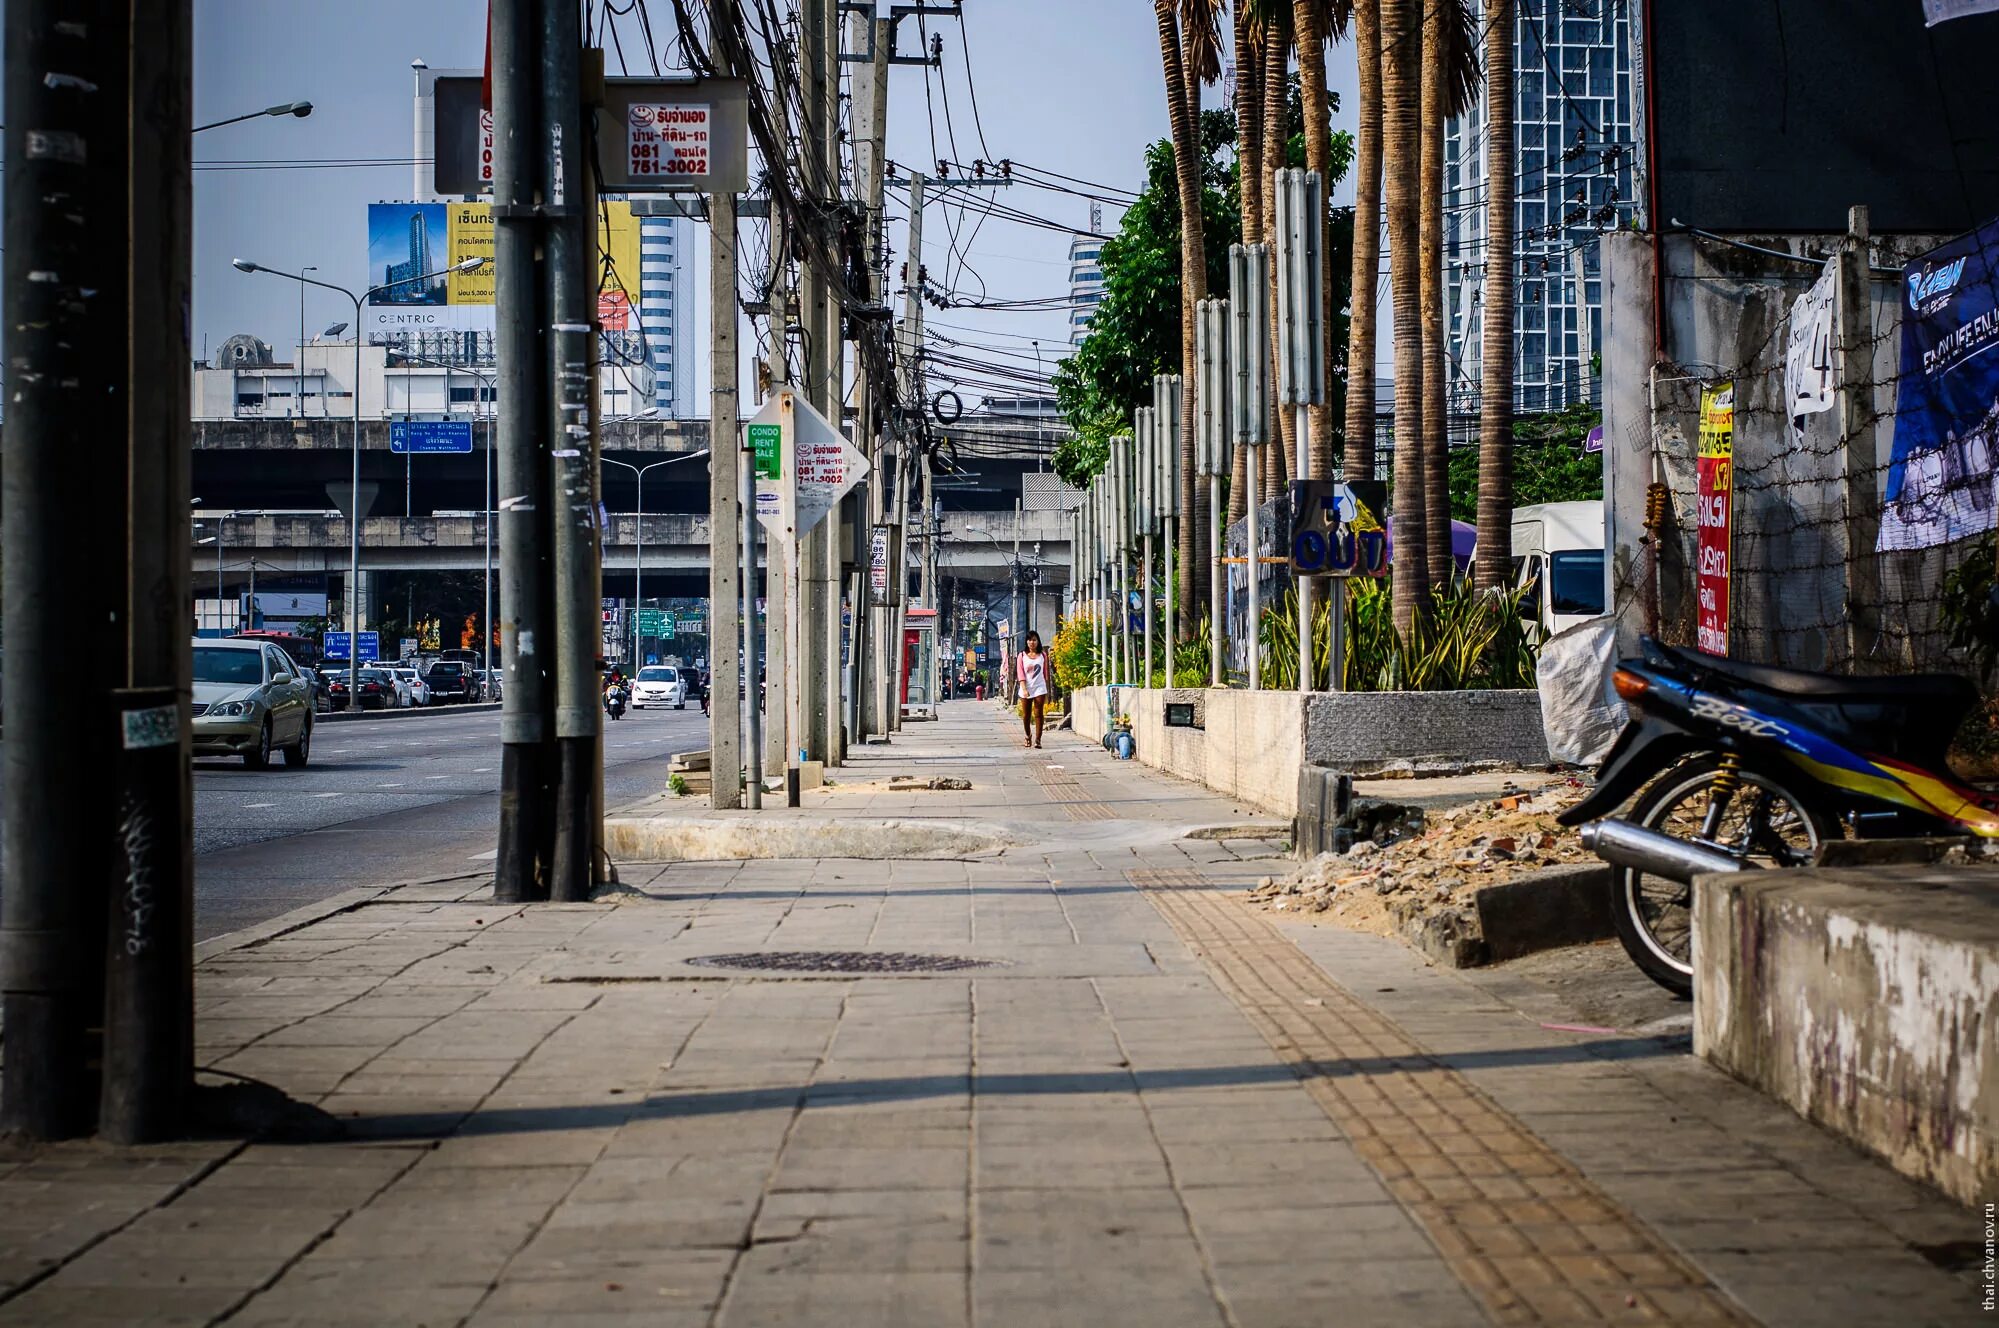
[
  {"x": 409, "y": 240},
  {"x": 1940, "y": 475},
  {"x": 1808, "y": 368},
  {"x": 1714, "y": 477}
]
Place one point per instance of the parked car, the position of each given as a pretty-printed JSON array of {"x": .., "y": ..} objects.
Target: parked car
[
  {"x": 249, "y": 697},
  {"x": 490, "y": 685},
  {"x": 378, "y": 690},
  {"x": 413, "y": 683},
  {"x": 1558, "y": 556},
  {"x": 449, "y": 680},
  {"x": 660, "y": 685},
  {"x": 317, "y": 682}
]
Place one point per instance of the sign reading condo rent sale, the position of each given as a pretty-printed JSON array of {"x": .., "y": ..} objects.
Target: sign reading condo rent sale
[
  {"x": 664, "y": 141},
  {"x": 1714, "y": 480}
]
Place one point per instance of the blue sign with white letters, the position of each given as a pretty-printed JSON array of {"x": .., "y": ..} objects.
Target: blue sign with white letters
[
  {"x": 406, "y": 436},
  {"x": 334, "y": 646}
]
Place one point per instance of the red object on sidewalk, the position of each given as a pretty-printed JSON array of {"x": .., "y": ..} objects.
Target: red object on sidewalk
[{"x": 979, "y": 692}]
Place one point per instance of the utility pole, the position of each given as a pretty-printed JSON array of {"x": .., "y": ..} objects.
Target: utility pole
[
  {"x": 870, "y": 125},
  {"x": 809, "y": 666},
  {"x": 732, "y": 548},
  {"x": 522, "y": 869},
  {"x": 910, "y": 435}
]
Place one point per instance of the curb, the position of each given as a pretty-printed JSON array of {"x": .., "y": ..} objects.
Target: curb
[
  {"x": 413, "y": 712},
  {"x": 317, "y": 911}
]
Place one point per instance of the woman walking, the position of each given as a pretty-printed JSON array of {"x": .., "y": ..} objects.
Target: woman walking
[{"x": 1032, "y": 664}]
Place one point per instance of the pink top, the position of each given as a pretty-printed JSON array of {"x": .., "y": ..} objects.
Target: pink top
[{"x": 1033, "y": 673}]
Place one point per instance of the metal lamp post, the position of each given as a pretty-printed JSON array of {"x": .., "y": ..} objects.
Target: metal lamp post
[
  {"x": 301, "y": 109},
  {"x": 354, "y": 516},
  {"x": 639, "y": 522}
]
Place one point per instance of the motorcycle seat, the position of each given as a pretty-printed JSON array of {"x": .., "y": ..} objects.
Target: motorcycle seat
[{"x": 1927, "y": 691}]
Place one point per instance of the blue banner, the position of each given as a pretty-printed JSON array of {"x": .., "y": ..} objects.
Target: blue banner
[
  {"x": 334, "y": 646},
  {"x": 1940, "y": 475},
  {"x": 430, "y": 436}
]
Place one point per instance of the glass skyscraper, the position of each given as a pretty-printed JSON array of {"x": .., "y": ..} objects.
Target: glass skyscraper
[
  {"x": 1576, "y": 153},
  {"x": 666, "y": 308}
]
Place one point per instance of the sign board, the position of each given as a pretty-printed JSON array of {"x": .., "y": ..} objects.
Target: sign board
[
  {"x": 652, "y": 622},
  {"x": 408, "y": 436},
  {"x": 334, "y": 645},
  {"x": 1327, "y": 538},
  {"x": 659, "y": 136},
  {"x": 408, "y": 648},
  {"x": 823, "y": 465},
  {"x": 407, "y": 241},
  {"x": 1714, "y": 479},
  {"x": 878, "y": 544}
]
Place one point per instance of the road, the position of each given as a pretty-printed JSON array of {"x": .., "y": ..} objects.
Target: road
[{"x": 385, "y": 799}]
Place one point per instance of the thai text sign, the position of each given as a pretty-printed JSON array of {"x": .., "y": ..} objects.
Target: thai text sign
[
  {"x": 1714, "y": 479},
  {"x": 665, "y": 141}
]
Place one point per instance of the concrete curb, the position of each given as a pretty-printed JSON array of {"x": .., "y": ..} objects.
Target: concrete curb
[
  {"x": 414, "y": 712},
  {"x": 317, "y": 911},
  {"x": 1540, "y": 910},
  {"x": 742, "y": 838}
]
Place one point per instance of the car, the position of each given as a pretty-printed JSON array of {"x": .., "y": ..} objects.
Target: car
[
  {"x": 449, "y": 680},
  {"x": 249, "y": 698},
  {"x": 413, "y": 684},
  {"x": 660, "y": 684},
  {"x": 491, "y": 685},
  {"x": 378, "y": 690}
]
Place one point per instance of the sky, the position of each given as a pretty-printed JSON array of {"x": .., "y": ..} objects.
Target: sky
[{"x": 1070, "y": 86}]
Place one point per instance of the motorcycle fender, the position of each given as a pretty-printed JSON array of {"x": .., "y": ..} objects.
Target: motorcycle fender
[{"x": 1646, "y": 748}]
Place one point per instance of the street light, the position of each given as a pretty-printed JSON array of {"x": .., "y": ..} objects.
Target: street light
[
  {"x": 301, "y": 109},
  {"x": 639, "y": 523},
  {"x": 486, "y": 514},
  {"x": 354, "y": 515}
]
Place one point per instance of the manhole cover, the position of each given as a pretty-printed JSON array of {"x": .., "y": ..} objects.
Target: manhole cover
[{"x": 840, "y": 961}]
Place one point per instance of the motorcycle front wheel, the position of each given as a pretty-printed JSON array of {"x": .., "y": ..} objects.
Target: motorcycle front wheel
[{"x": 1754, "y": 816}]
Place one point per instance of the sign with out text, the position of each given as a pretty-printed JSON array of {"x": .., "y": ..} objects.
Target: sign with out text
[{"x": 1714, "y": 479}]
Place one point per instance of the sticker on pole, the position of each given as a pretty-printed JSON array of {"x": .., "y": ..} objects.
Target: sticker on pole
[
  {"x": 767, "y": 442},
  {"x": 666, "y": 141}
]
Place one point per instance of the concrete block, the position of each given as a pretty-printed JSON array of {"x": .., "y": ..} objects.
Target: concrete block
[
  {"x": 792, "y": 835},
  {"x": 1866, "y": 999},
  {"x": 1360, "y": 731},
  {"x": 1544, "y": 910}
]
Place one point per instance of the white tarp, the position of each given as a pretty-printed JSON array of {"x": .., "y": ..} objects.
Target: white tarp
[
  {"x": 1937, "y": 11},
  {"x": 1580, "y": 712},
  {"x": 1809, "y": 376}
]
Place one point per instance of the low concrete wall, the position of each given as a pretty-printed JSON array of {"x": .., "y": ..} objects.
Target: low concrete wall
[
  {"x": 1867, "y": 999},
  {"x": 1355, "y": 730}
]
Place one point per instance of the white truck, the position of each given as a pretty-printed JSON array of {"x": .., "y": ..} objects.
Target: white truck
[{"x": 1558, "y": 556}]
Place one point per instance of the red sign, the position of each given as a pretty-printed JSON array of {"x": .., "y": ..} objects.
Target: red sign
[
  {"x": 665, "y": 141},
  {"x": 1714, "y": 489},
  {"x": 614, "y": 310}
]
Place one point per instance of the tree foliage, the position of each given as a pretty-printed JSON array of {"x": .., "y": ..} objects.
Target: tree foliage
[
  {"x": 1549, "y": 464},
  {"x": 1135, "y": 329}
]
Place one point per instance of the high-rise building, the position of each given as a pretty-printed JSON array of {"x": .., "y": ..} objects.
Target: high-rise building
[
  {"x": 419, "y": 264},
  {"x": 1086, "y": 283},
  {"x": 666, "y": 310},
  {"x": 1575, "y": 150}
]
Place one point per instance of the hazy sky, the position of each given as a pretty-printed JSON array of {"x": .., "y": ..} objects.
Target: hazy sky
[{"x": 1072, "y": 86}]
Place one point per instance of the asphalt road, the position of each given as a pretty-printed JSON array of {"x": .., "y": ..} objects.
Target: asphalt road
[{"x": 399, "y": 797}]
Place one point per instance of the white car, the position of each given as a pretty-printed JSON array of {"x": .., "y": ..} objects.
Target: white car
[
  {"x": 660, "y": 685},
  {"x": 411, "y": 690}
]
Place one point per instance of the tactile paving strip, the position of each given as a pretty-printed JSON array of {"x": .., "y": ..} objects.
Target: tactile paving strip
[{"x": 1522, "y": 1228}]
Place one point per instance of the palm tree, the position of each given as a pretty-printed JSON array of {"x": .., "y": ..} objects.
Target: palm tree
[
  {"x": 1249, "y": 183},
  {"x": 1401, "y": 94},
  {"x": 1450, "y": 74},
  {"x": 1186, "y": 69},
  {"x": 1366, "y": 23},
  {"x": 1276, "y": 87},
  {"x": 1314, "y": 21},
  {"x": 1495, "y": 406}
]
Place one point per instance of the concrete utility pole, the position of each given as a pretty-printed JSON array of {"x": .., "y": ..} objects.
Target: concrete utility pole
[
  {"x": 821, "y": 351},
  {"x": 870, "y": 125},
  {"x": 95, "y": 289},
  {"x": 910, "y": 434},
  {"x": 732, "y": 594},
  {"x": 1857, "y": 427},
  {"x": 523, "y": 867}
]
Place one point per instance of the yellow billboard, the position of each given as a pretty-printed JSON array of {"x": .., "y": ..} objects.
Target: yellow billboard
[{"x": 403, "y": 244}]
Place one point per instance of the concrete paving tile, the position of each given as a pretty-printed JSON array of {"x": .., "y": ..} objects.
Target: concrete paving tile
[
  {"x": 760, "y": 1299},
  {"x": 52, "y": 1306},
  {"x": 1104, "y": 1297},
  {"x": 351, "y": 1306},
  {"x": 1436, "y": 1306},
  {"x": 870, "y": 1169}
]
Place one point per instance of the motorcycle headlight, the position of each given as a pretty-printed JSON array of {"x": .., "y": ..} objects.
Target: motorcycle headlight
[{"x": 234, "y": 709}]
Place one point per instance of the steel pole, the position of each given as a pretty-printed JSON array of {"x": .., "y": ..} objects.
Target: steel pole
[
  {"x": 353, "y": 533},
  {"x": 746, "y": 463},
  {"x": 1253, "y": 564},
  {"x": 1217, "y": 584}
]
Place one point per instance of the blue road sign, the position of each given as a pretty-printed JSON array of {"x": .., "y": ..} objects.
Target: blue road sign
[
  {"x": 407, "y": 436},
  {"x": 334, "y": 646}
]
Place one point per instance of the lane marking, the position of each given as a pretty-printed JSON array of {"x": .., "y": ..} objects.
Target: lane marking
[
  {"x": 257, "y": 806},
  {"x": 335, "y": 794},
  {"x": 388, "y": 786},
  {"x": 487, "y": 770},
  {"x": 487, "y": 856}
]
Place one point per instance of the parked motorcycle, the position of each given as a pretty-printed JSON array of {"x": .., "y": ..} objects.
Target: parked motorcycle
[
  {"x": 615, "y": 701},
  {"x": 1739, "y": 766}
]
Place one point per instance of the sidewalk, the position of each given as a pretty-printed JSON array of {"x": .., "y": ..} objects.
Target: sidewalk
[{"x": 1074, "y": 1082}]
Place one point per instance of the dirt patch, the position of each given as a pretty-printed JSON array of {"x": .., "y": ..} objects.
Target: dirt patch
[{"x": 1431, "y": 873}]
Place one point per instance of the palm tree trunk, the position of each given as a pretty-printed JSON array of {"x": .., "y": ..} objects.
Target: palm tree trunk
[
  {"x": 1436, "y": 373},
  {"x": 1249, "y": 185},
  {"x": 1495, "y": 406},
  {"x": 1180, "y": 106},
  {"x": 1191, "y": 532},
  {"x": 1308, "y": 18},
  {"x": 1276, "y": 68},
  {"x": 1401, "y": 94},
  {"x": 1366, "y": 244}
]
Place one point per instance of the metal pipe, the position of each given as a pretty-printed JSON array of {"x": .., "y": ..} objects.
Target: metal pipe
[
  {"x": 1623, "y": 844},
  {"x": 752, "y": 655},
  {"x": 1252, "y": 562}
]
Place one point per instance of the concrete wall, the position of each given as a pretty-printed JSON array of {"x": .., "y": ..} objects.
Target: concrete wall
[
  {"x": 1867, "y": 999},
  {"x": 1251, "y": 745},
  {"x": 1354, "y": 730}
]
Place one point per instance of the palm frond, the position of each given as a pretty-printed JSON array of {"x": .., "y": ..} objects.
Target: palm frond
[
  {"x": 1335, "y": 17},
  {"x": 1461, "y": 67},
  {"x": 1201, "y": 34}
]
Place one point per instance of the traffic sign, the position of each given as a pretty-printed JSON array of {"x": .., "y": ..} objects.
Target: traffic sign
[
  {"x": 823, "y": 465},
  {"x": 652, "y": 622},
  {"x": 334, "y": 645},
  {"x": 407, "y": 436}
]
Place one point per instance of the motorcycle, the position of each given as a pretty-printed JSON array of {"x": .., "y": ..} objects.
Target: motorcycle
[
  {"x": 614, "y": 702},
  {"x": 1742, "y": 766}
]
